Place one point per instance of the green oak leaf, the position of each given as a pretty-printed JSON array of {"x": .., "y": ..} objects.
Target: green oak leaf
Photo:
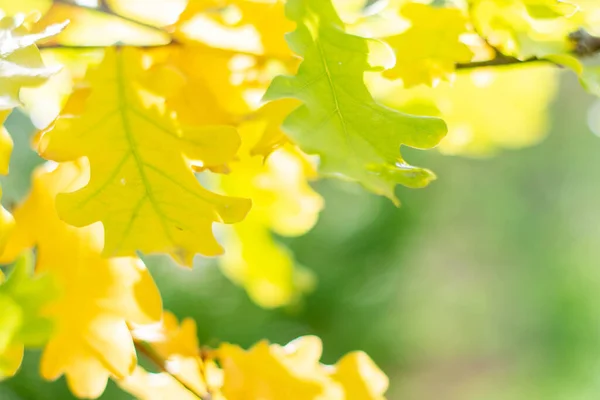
[
  {"x": 22, "y": 323},
  {"x": 355, "y": 137}
]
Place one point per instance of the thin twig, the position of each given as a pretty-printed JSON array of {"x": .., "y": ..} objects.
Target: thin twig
[
  {"x": 502, "y": 60},
  {"x": 104, "y": 8},
  {"x": 143, "y": 349},
  {"x": 584, "y": 45}
]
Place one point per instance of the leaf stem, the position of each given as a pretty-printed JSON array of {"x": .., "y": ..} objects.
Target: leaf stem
[
  {"x": 502, "y": 60},
  {"x": 150, "y": 355}
]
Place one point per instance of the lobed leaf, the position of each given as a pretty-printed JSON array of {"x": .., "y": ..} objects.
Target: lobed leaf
[
  {"x": 22, "y": 321},
  {"x": 142, "y": 187},
  {"x": 98, "y": 296},
  {"x": 429, "y": 50},
  {"x": 340, "y": 121},
  {"x": 20, "y": 61}
]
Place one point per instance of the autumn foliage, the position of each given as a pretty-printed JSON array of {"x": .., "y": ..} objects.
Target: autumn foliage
[{"x": 193, "y": 128}]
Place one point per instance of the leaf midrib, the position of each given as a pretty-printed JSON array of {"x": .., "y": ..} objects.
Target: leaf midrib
[{"x": 134, "y": 152}]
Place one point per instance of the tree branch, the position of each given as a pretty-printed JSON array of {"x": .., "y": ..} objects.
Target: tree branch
[
  {"x": 104, "y": 8},
  {"x": 501, "y": 60},
  {"x": 584, "y": 45},
  {"x": 143, "y": 349}
]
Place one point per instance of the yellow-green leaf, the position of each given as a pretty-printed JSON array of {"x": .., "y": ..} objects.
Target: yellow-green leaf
[
  {"x": 98, "y": 296},
  {"x": 340, "y": 121},
  {"x": 430, "y": 48},
  {"x": 23, "y": 299},
  {"x": 142, "y": 187}
]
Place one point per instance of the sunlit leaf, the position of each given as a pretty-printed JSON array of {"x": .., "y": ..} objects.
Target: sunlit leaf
[
  {"x": 477, "y": 103},
  {"x": 292, "y": 372},
  {"x": 142, "y": 187},
  {"x": 20, "y": 61},
  {"x": 428, "y": 51},
  {"x": 99, "y": 296},
  {"x": 354, "y": 136},
  {"x": 86, "y": 23},
  {"x": 22, "y": 320}
]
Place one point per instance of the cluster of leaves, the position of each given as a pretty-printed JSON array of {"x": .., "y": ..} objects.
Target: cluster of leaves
[{"x": 181, "y": 117}]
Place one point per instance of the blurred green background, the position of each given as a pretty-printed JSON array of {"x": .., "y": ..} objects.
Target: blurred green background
[{"x": 484, "y": 286}]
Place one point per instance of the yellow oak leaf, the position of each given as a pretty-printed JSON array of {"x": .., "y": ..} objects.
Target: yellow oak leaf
[
  {"x": 291, "y": 372},
  {"x": 200, "y": 89},
  {"x": 265, "y": 268},
  {"x": 45, "y": 102},
  {"x": 6, "y": 145},
  {"x": 245, "y": 25},
  {"x": 99, "y": 296},
  {"x": 430, "y": 48},
  {"x": 272, "y": 116},
  {"x": 360, "y": 377},
  {"x": 283, "y": 202},
  {"x": 477, "y": 103},
  {"x": 142, "y": 186},
  {"x": 20, "y": 61},
  {"x": 20, "y": 66}
]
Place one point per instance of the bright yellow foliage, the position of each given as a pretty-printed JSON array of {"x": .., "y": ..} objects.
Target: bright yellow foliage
[
  {"x": 478, "y": 102},
  {"x": 248, "y": 23},
  {"x": 20, "y": 66},
  {"x": 283, "y": 202},
  {"x": 178, "y": 346},
  {"x": 99, "y": 296},
  {"x": 266, "y": 371},
  {"x": 6, "y": 144},
  {"x": 142, "y": 186},
  {"x": 85, "y": 24},
  {"x": 12, "y": 7},
  {"x": 293, "y": 372},
  {"x": 20, "y": 61},
  {"x": 129, "y": 129},
  {"x": 428, "y": 51}
]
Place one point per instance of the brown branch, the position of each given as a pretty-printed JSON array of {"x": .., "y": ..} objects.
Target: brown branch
[
  {"x": 143, "y": 349},
  {"x": 584, "y": 45},
  {"x": 501, "y": 60}
]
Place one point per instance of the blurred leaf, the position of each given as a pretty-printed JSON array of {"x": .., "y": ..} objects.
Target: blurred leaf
[
  {"x": 428, "y": 51},
  {"x": 20, "y": 61},
  {"x": 23, "y": 321},
  {"x": 478, "y": 105},
  {"x": 85, "y": 23},
  {"x": 99, "y": 295}
]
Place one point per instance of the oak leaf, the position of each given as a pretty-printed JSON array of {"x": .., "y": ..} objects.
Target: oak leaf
[
  {"x": 283, "y": 202},
  {"x": 340, "y": 121},
  {"x": 20, "y": 61},
  {"x": 292, "y": 372},
  {"x": 142, "y": 186},
  {"x": 98, "y": 296},
  {"x": 22, "y": 320},
  {"x": 252, "y": 29},
  {"x": 429, "y": 50}
]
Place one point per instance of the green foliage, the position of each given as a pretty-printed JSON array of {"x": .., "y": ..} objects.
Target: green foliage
[{"x": 340, "y": 121}]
